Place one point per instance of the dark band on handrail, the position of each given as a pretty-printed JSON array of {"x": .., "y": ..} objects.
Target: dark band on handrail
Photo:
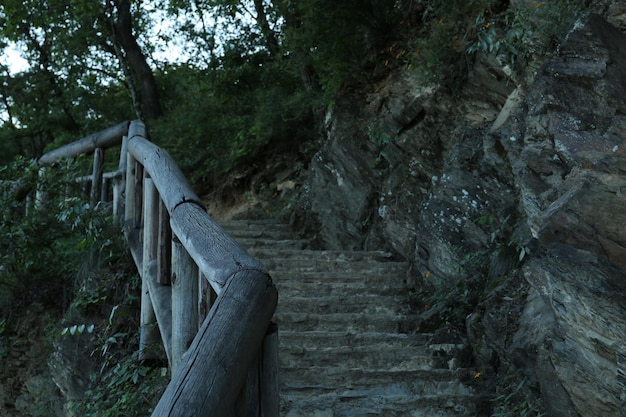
[{"x": 192, "y": 201}]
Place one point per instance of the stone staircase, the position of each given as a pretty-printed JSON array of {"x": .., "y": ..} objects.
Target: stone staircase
[{"x": 348, "y": 341}]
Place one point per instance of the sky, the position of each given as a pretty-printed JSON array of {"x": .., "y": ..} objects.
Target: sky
[{"x": 11, "y": 56}]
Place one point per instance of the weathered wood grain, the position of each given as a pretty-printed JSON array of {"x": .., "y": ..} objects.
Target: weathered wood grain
[
  {"x": 173, "y": 187},
  {"x": 119, "y": 183},
  {"x": 161, "y": 299},
  {"x": 103, "y": 139},
  {"x": 184, "y": 296},
  {"x": 148, "y": 331},
  {"x": 129, "y": 197},
  {"x": 96, "y": 176},
  {"x": 261, "y": 397},
  {"x": 215, "y": 252},
  {"x": 212, "y": 372},
  {"x": 164, "y": 255}
]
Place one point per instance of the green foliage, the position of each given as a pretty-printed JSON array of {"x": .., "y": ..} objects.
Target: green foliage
[
  {"x": 517, "y": 34},
  {"x": 41, "y": 250},
  {"x": 218, "y": 118},
  {"x": 125, "y": 388},
  {"x": 72, "y": 85},
  {"x": 121, "y": 386},
  {"x": 511, "y": 400}
]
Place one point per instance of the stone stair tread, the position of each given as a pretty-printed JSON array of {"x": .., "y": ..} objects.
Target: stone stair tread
[
  {"x": 327, "y": 287},
  {"x": 381, "y": 356},
  {"x": 334, "y": 255},
  {"x": 347, "y": 303},
  {"x": 261, "y": 247},
  {"x": 349, "y": 404},
  {"x": 341, "y": 338},
  {"x": 347, "y": 322},
  {"x": 312, "y": 265},
  {"x": 392, "y": 274},
  {"x": 412, "y": 382}
]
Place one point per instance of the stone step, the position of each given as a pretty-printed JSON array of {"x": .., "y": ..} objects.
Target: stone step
[
  {"x": 256, "y": 224},
  {"x": 347, "y": 303},
  {"x": 412, "y": 382},
  {"x": 315, "y": 285},
  {"x": 261, "y": 247},
  {"x": 383, "y": 356},
  {"x": 335, "y": 339},
  {"x": 245, "y": 232},
  {"x": 348, "y": 322},
  {"x": 338, "y": 256},
  {"x": 413, "y": 341},
  {"x": 312, "y": 264},
  {"x": 353, "y": 403},
  {"x": 382, "y": 272}
]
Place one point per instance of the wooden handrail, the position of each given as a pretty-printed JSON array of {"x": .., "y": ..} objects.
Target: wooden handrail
[
  {"x": 104, "y": 139},
  {"x": 164, "y": 222}
]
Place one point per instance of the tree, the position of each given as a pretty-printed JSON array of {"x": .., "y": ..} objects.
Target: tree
[
  {"x": 136, "y": 60},
  {"x": 77, "y": 51}
]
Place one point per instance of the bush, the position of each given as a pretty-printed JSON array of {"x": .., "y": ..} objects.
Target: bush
[{"x": 42, "y": 249}]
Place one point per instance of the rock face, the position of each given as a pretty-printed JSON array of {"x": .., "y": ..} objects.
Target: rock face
[{"x": 515, "y": 189}]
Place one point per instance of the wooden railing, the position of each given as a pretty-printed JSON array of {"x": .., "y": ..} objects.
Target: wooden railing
[{"x": 224, "y": 361}]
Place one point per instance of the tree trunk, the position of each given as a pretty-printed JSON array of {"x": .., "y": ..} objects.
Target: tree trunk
[
  {"x": 270, "y": 37},
  {"x": 151, "y": 104}
]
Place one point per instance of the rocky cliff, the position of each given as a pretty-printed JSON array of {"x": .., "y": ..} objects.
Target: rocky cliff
[{"x": 508, "y": 193}]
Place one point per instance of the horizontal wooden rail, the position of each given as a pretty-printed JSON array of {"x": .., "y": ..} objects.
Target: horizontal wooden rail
[{"x": 104, "y": 139}]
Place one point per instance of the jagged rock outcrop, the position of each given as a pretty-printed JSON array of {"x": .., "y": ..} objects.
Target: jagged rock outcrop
[{"x": 513, "y": 186}]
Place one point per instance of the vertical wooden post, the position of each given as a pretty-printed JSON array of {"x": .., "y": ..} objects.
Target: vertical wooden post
[
  {"x": 28, "y": 204},
  {"x": 68, "y": 188},
  {"x": 96, "y": 177},
  {"x": 164, "y": 258},
  {"x": 119, "y": 183},
  {"x": 262, "y": 394},
  {"x": 184, "y": 292},
  {"x": 268, "y": 374},
  {"x": 129, "y": 197},
  {"x": 104, "y": 192},
  {"x": 138, "y": 194},
  {"x": 41, "y": 195},
  {"x": 206, "y": 297},
  {"x": 149, "y": 333}
]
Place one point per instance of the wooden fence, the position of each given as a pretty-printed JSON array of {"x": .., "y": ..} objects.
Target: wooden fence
[{"x": 213, "y": 303}]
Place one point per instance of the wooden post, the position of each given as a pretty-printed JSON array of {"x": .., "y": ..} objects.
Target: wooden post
[
  {"x": 210, "y": 375},
  {"x": 206, "y": 297},
  {"x": 28, "y": 203},
  {"x": 149, "y": 332},
  {"x": 41, "y": 196},
  {"x": 129, "y": 197},
  {"x": 262, "y": 393},
  {"x": 139, "y": 176},
  {"x": 184, "y": 292},
  {"x": 96, "y": 177},
  {"x": 268, "y": 374},
  {"x": 104, "y": 192},
  {"x": 164, "y": 257},
  {"x": 119, "y": 183}
]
